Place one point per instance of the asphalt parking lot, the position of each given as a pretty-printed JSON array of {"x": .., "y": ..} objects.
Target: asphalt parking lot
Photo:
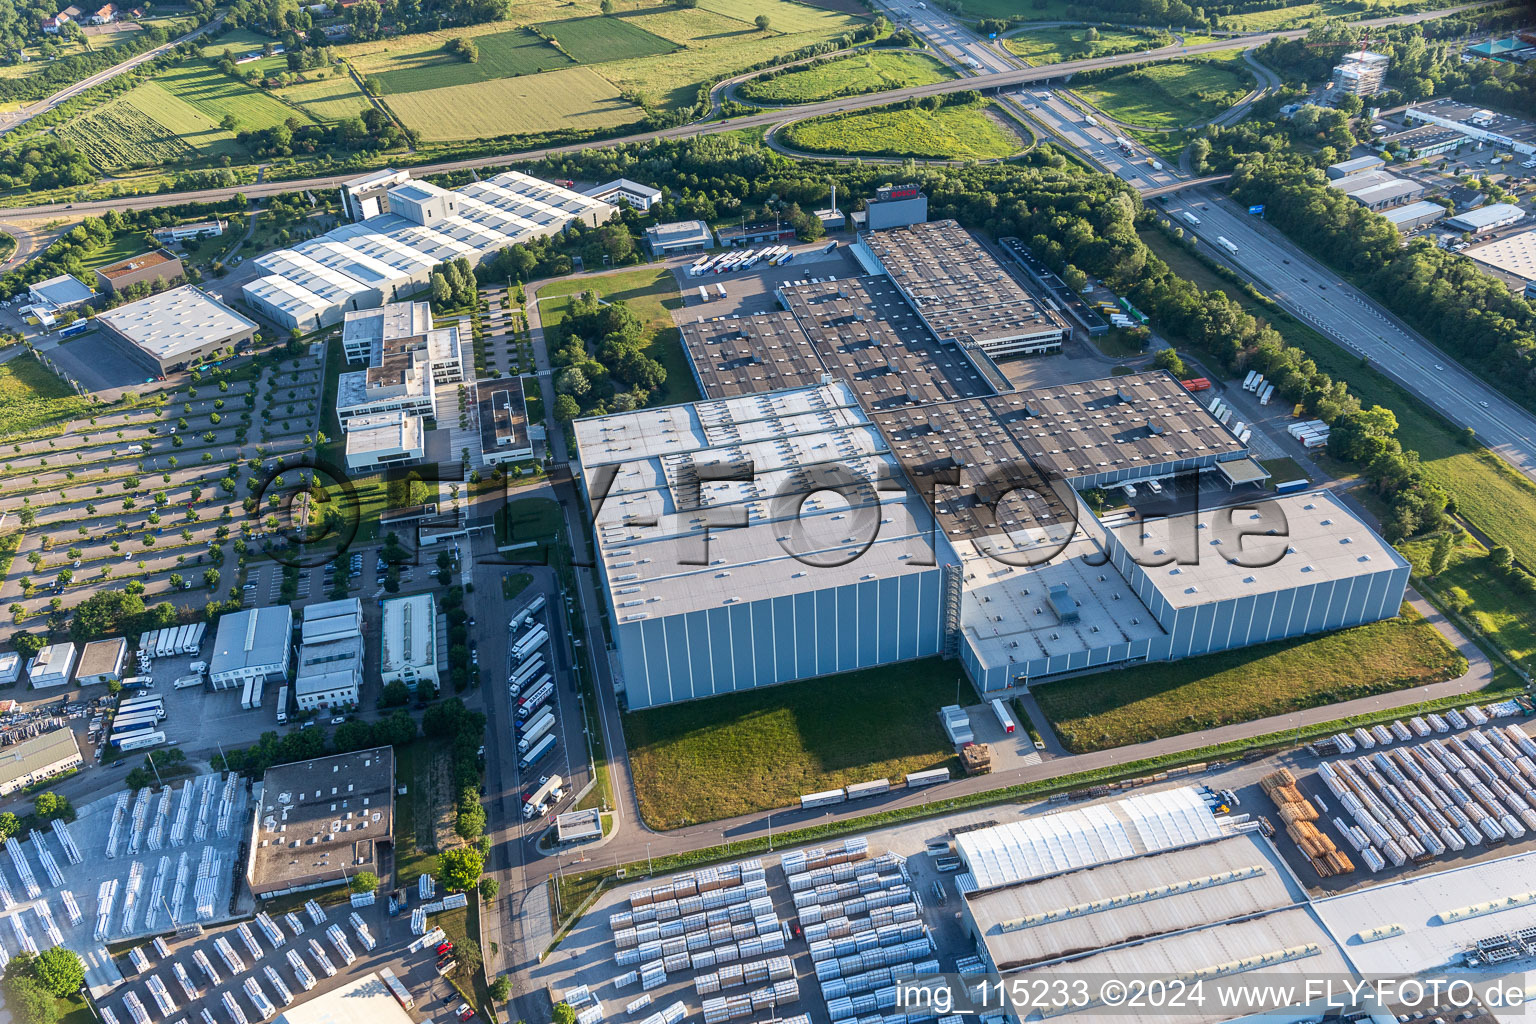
[{"x": 96, "y": 362}]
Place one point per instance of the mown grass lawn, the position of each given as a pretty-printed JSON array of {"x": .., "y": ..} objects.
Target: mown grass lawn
[
  {"x": 1489, "y": 493},
  {"x": 709, "y": 759},
  {"x": 1071, "y": 42},
  {"x": 1148, "y": 702},
  {"x": 1474, "y": 587},
  {"x": 651, "y": 292},
  {"x": 31, "y": 396},
  {"x": 958, "y": 132},
  {"x": 1169, "y": 95},
  {"x": 874, "y": 71}
]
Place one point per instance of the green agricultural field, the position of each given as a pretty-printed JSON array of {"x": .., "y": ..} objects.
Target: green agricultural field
[
  {"x": 1148, "y": 702},
  {"x": 239, "y": 41},
  {"x": 782, "y": 16},
  {"x": 573, "y": 98},
  {"x": 32, "y": 397},
  {"x": 502, "y": 55},
  {"x": 215, "y": 94},
  {"x": 651, "y": 292},
  {"x": 691, "y": 26},
  {"x": 329, "y": 100},
  {"x": 710, "y": 759},
  {"x": 1053, "y": 45},
  {"x": 962, "y": 132},
  {"x": 1169, "y": 95},
  {"x": 147, "y": 127},
  {"x": 595, "y": 40},
  {"x": 874, "y": 71}
]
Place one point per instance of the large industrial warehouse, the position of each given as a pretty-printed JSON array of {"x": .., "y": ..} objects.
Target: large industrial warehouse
[
  {"x": 863, "y": 485},
  {"x": 389, "y": 256}
]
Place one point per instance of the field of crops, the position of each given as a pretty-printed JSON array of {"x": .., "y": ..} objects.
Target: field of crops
[
  {"x": 1052, "y": 45},
  {"x": 673, "y": 78},
  {"x": 214, "y": 93},
  {"x": 502, "y": 55},
  {"x": 594, "y": 40},
  {"x": 329, "y": 100},
  {"x": 575, "y": 98},
  {"x": 1170, "y": 95},
  {"x": 691, "y": 26},
  {"x": 847, "y": 76},
  {"x": 782, "y": 17},
  {"x": 965, "y": 132},
  {"x": 146, "y": 127}
]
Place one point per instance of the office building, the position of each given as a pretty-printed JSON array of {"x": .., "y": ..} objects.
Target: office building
[
  {"x": 101, "y": 661},
  {"x": 53, "y": 666},
  {"x": 329, "y": 674},
  {"x": 251, "y": 646},
  {"x": 639, "y": 197},
  {"x": 407, "y": 359},
  {"x": 37, "y": 758},
  {"x": 385, "y": 439},
  {"x": 408, "y": 642},
  {"x": 895, "y": 206},
  {"x": 183, "y": 232},
  {"x": 322, "y": 821},
  {"x": 403, "y": 228},
  {"x": 148, "y": 268},
  {"x": 678, "y": 237},
  {"x": 1360, "y": 74},
  {"x": 176, "y": 328},
  {"x": 503, "y": 415},
  {"x": 1515, "y": 134}
]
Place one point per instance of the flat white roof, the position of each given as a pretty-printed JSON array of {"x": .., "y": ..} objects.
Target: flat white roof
[
  {"x": 63, "y": 290},
  {"x": 365, "y": 1001},
  {"x": 1488, "y": 216},
  {"x": 384, "y": 431},
  {"x": 1514, "y": 254},
  {"x": 176, "y": 321},
  {"x": 1315, "y": 539},
  {"x": 1413, "y": 211},
  {"x": 409, "y": 633},
  {"x": 650, "y": 460},
  {"x": 288, "y": 296}
]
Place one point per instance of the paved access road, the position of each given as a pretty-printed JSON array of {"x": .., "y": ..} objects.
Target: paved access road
[
  {"x": 22, "y": 115},
  {"x": 949, "y": 35},
  {"x": 1096, "y": 141},
  {"x": 1318, "y": 296},
  {"x": 1002, "y": 79}
]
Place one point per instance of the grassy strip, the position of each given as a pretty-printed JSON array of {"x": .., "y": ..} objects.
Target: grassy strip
[
  {"x": 704, "y": 760},
  {"x": 1154, "y": 701},
  {"x": 579, "y": 889}
]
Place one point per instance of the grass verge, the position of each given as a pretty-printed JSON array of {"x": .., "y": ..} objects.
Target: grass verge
[
  {"x": 960, "y": 131},
  {"x": 1153, "y": 701},
  {"x": 739, "y": 753}
]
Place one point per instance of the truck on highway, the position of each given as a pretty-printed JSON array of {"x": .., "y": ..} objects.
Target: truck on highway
[
  {"x": 1191, "y": 218},
  {"x": 1090, "y": 119},
  {"x": 536, "y": 730},
  {"x": 538, "y": 753},
  {"x": 1225, "y": 243}
]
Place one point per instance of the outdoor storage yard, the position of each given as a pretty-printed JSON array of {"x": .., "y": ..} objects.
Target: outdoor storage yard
[{"x": 129, "y": 865}]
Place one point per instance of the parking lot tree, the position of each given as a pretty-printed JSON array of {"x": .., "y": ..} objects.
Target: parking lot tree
[
  {"x": 364, "y": 881},
  {"x": 395, "y": 731},
  {"x": 48, "y": 805},
  {"x": 107, "y": 612},
  {"x": 59, "y": 970},
  {"x": 395, "y": 695},
  {"x": 9, "y": 825},
  {"x": 211, "y": 578},
  {"x": 27, "y": 515},
  {"x": 562, "y": 1014},
  {"x": 501, "y": 988},
  {"x": 461, "y": 868}
]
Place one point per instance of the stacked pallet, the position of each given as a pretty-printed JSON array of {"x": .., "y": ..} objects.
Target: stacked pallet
[{"x": 1298, "y": 813}]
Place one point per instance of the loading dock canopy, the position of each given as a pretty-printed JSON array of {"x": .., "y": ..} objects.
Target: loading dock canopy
[{"x": 1242, "y": 471}]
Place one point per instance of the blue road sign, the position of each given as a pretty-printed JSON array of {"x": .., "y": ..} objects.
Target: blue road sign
[{"x": 1257, "y": 210}]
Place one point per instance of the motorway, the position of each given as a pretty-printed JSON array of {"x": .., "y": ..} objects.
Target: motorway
[
  {"x": 1094, "y": 141},
  {"x": 974, "y": 54},
  {"x": 993, "y": 80},
  {"x": 1308, "y": 290},
  {"x": 21, "y": 115}
]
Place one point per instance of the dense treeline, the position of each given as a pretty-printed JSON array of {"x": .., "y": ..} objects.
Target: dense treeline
[
  {"x": 46, "y": 164},
  {"x": 56, "y": 74},
  {"x": 367, "y": 18},
  {"x": 371, "y": 130}
]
